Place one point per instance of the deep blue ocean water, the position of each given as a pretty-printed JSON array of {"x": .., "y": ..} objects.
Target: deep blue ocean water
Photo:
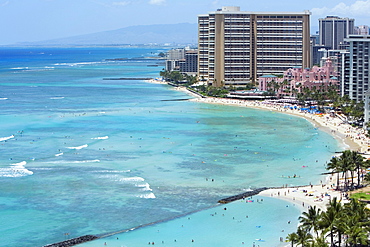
[{"x": 82, "y": 155}]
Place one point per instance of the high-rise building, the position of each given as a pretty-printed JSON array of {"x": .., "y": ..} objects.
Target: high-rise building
[
  {"x": 236, "y": 47},
  {"x": 184, "y": 60},
  {"x": 189, "y": 65},
  {"x": 333, "y": 30},
  {"x": 362, "y": 30},
  {"x": 354, "y": 67}
]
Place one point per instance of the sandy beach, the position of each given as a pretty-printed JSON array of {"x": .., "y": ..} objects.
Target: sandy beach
[{"x": 312, "y": 195}]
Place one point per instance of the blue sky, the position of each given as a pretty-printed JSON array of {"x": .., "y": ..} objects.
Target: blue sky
[{"x": 36, "y": 20}]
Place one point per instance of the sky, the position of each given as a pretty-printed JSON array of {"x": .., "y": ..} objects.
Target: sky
[{"x": 38, "y": 20}]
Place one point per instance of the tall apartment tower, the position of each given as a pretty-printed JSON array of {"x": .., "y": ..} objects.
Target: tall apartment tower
[
  {"x": 236, "y": 47},
  {"x": 333, "y": 30},
  {"x": 354, "y": 67}
]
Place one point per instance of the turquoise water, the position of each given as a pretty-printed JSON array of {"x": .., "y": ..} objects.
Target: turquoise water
[
  {"x": 241, "y": 224},
  {"x": 82, "y": 155}
]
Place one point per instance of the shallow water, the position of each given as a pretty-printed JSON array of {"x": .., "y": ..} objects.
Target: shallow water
[{"x": 82, "y": 155}]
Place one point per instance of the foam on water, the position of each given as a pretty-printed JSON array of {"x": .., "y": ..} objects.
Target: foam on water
[
  {"x": 6, "y": 138},
  {"x": 135, "y": 170},
  {"x": 147, "y": 196},
  {"x": 15, "y": 170},
  {"x": 100, "y": 138},
  {"x": 133, "y": 179},
  {"x": 145, "y": 187},
  {"x": 73, "y": 162},
  {"x": 79, "y": 147},
  {"x": 108, "y": 171}
]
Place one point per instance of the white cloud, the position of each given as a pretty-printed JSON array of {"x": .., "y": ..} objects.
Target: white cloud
[
  {"x": 358, "y": 8},
  {"x": 124, "y": 3},
  {"x": 157, "y": 2}
]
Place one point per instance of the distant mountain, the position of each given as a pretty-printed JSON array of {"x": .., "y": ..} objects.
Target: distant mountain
[{"x": 183, "y": 33}]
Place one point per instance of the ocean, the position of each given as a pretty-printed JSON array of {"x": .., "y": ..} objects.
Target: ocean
[{"x": 81, "y": 155}]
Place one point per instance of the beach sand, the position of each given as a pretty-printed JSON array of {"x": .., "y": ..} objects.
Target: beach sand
[
  {"x": 352, "y": 139},
  {"x": 311, "y": 195}
]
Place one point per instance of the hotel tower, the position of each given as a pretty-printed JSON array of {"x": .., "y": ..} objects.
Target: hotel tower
[{"x": 236, "y": 47}]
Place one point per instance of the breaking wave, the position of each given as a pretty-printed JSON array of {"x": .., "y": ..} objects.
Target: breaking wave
[{"x": 15, "y": 170}]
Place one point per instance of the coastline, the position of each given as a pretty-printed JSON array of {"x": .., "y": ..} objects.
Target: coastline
[
  {"x": 315, "y": 195},
  {"x": 303, "y": 197},
  {"x": 350, "y": 137}
]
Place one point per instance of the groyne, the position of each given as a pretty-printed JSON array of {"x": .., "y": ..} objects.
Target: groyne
[
  {"x": 73, "y": 241},
  {"x": 242, "y": 195},
  {"x": 87, "y": 238}
]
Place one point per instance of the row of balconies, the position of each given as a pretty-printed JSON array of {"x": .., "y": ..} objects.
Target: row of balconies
[{"x": 280, "y": 42}]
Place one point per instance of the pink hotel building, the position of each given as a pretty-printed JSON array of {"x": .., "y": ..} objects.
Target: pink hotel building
[{"x": 295, "y": 79}]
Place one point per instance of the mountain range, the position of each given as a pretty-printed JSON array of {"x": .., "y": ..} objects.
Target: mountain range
[{"x": 182, "y": 33}]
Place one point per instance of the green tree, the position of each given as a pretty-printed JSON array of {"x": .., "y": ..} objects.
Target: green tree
[
  {"x": 310, "y": 220},
  {"x": 335, "y": 166},
  {"x": 357, "y": 236},
  {"x": 292, "y": 238},
  {"x": 331, "y": 217},
  {"x": 319, "y": 242},
  {"x": 304, "y": 237}
]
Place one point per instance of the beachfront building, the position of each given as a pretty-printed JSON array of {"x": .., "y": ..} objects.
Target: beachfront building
[
  {"x": 333, "y": 30},
  {"x": 184, "y": 60},
  {"x": 296, "y": 79},
  {"x": 236, "y": 47},
  {"x": 189, "y": 64},
  {"x": 354, "y": 67}
]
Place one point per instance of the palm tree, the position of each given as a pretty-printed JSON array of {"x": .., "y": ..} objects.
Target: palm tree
[
  {"x": 304, "y": 237},
  {"x": 367, "y": 177},
  {"x": 331, "y": 217},
  {"x": 358, "y": 212},
  {"x": 292, "y": 237},
  {"x": 320, "y": 241},
  {"x": 347, "y": 164},
  {"x": 335, "y": 166},
  {"x": 358, "y": 164},
  {"x": 310, "y": 220},
  {"x": 357, "y": 235}
]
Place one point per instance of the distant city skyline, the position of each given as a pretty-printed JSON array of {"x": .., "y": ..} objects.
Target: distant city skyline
[{"x": 37, "y": 20}]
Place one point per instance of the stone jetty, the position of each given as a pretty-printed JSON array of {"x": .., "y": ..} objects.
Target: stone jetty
[
  {"x": 73, "y": 241},
  {"x": 242, "y": 195}
]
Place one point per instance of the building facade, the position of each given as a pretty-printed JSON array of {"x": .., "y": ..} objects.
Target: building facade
[
  {"x": 235, "y": 47},
  {"x": 354, "y": 67},
  {"x": 189, "y": 64},
  {"x": 296, "y": 79},
  {"x": 184, "y": 60},
  {"x": 333, "y": 30},
  {"x": 362, "y": 30}
]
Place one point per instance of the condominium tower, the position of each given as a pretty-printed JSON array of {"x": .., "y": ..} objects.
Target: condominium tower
[
  {"x": 236, "y": 47},
  {"x": 333, "y": 30},
  {"x": 354, "y": 67}
]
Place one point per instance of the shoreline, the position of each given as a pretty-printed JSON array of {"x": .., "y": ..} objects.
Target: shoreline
[
  {"x": 348, "y": 136},
  {"x": 304, "y": 197}
]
